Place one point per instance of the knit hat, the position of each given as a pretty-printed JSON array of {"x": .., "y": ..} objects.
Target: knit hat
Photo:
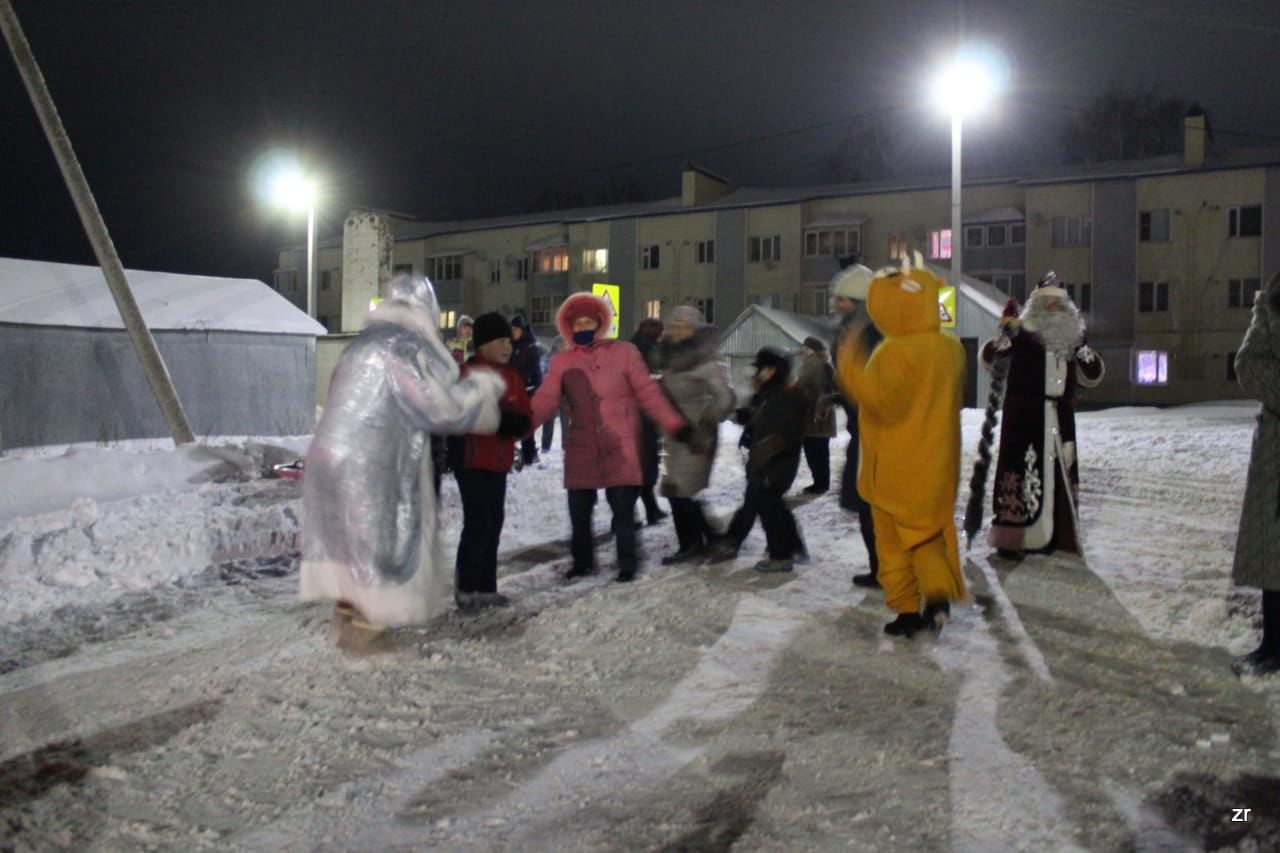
[
  {"x": 687, "y": 314},
  {"x": 465, "y": 320},
  {"x": 814, "y": 344},
  {"x": 490, "y": 327},
  {"x": 771, "y": 357},
  {"x": 852, "y": 282}
]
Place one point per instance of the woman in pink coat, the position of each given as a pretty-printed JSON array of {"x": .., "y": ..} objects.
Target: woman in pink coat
[{"x": 604, "y": 384}]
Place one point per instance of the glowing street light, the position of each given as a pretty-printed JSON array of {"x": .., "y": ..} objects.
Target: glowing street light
[
  {"x": 282, "y": 183},
  {"x": 962, "y": 89}
]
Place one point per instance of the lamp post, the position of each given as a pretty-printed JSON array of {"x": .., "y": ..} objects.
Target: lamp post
[
  {"x": 291, "y": 189},
  {"x": 962, "y": 89}
]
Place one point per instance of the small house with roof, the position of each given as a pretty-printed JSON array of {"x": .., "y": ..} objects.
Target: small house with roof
[{"x": 241, "y": 357}]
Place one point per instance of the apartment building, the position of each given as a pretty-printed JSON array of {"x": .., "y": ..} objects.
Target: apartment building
[{"x": 1163, "y": 255}]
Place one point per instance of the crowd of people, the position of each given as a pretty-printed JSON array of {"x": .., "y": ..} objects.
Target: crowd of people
[{"x": 371, "y": 537}]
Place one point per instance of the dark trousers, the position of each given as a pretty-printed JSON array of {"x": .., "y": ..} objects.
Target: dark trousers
[
  {"x": 529, "y": 448},
  {"x": 549, "y": 430},
  {"x": 622, "y": 501},
  {"x": 483, "y": 495},
  {"x": 652, "y": 511},
  {"x": 817, "y": 452},
  {"x": 745, "y": 516},
  {"x": 692, "y": 528},
  {"x": 852, "y": 501},
  {"x": 780, "y": 531}
]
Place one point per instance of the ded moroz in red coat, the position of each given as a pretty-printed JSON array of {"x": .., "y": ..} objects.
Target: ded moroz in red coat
[
  {"x": 605, "y": 385},
  {"x": 495, "y": 452}
]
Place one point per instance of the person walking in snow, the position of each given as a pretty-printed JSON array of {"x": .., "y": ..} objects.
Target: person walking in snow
[
  {"x": 460, "y": 344},
  {"x": 1037, "y": 476},
  {"x": 774, "y": 424},
  {"x": 1257, "y": 558},
  {"x": 909, "y": 392},
  {"x": 695, "y": 382},
  {"x": 481, "y": 463},
  {"x": 646, "y": 340},
  {"x": 817, "y": 382},
  {"x": 848, "y": 297},
  {"x": 606, "y": 385},
  {"x": 370, "y": 537},
  {"x": 527, "y": 361}
]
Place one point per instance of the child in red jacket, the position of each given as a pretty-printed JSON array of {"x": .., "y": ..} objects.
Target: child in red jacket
[{"x": 480, "y": 464}]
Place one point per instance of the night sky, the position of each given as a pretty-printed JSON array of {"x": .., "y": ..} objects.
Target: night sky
[{"x": 454, "y": 110}]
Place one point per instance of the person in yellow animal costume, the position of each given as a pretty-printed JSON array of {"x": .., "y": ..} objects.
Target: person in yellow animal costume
[{"x": 909, "y": 392}]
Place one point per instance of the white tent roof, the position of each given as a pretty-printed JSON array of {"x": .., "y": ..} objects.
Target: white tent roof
[{"x": 40, "y": 293}]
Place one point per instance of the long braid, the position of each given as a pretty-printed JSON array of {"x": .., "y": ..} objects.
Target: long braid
[{"x": 981, "y": 465}]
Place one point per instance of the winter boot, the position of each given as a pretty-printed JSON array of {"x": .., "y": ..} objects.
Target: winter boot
[
  {"x": 773, "y": 566},
  {"x": 724, "y": 551},
  {"x": 626, "y": 575},
  {"x": 867, "y": 580},
  {"x": 936, "y": 615},
  {"x": 1265, "y": 659},
  {"x": 906, "y": 625},
  {"x": 580, "y": 572}
]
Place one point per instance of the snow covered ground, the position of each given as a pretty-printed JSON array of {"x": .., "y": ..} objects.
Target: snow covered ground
[{"x": 160, "y": 685}]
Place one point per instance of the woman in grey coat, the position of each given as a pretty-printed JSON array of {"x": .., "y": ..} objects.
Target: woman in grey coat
[
  {"x": 694, "y": 381},
  {"x": 1257, "y": 560}
]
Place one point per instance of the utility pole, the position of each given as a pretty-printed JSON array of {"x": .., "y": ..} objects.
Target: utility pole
[{"x": 139, "y": 335}]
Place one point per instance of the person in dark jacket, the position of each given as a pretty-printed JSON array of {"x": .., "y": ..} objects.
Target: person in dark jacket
[
  {"x": 481, "y": 464},
  {"x": 646, "y": 340},
  {"x": 776, "y": 419},
  {"x": 527, "y": 361},
  {"x": 849, "y": 297},
  {"x": 549, "y": 428},
  {"x": 818, "y": 382}
]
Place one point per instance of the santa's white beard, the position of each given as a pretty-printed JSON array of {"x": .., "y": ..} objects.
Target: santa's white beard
[{"x": 1057, "y": 331}]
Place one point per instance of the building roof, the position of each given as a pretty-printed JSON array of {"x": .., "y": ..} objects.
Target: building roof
[
  {"x": 793, "y": 327},
  {"x": 41, "y": 293}
]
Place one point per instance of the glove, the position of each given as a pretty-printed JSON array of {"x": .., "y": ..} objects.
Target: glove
[{"x": 513, "y": 425}]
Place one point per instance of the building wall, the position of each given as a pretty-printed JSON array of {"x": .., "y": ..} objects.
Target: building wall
[
  {"x": 65, "y": 385},
  {"x": 731, "y": 264},
  {"x": 679, "y": 278},
  {"x": 779, "y": 278}
]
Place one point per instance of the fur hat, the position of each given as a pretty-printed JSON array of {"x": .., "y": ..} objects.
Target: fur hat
[
  {"x": 814, "y": 344},
  {"x": 584, "y": 305},
  {"x": 490, "y": 327},
  {"x": 687, "y": 314},
  {"x": 465, "y": 320},
  {"x": 772, "y": 357},
  {"x": 1048, "y": 288},
  {"x": 852, "y": 282}
]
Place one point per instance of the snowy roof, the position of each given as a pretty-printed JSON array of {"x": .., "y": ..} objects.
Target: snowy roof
[
  {"x": 41, "y": 293},
  {"x": 793, "y": 327},
  {"x": 986, "y": 296}
]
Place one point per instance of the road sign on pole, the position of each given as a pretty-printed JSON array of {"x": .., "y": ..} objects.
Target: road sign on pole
[{"x": 611, "y": 293}]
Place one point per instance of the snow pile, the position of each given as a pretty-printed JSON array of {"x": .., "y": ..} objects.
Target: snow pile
[{"x": 89, "y": 524}]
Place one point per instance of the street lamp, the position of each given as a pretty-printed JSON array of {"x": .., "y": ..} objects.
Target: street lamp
[
  {"x": 289, "y": 188},
  {"x": 963, "y": 88}
]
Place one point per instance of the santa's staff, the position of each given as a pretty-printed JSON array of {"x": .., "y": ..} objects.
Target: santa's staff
[{"x": 981, "y": 465}]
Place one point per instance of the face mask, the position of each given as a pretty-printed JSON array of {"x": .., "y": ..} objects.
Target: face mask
[{"x": 585, "y": 337}]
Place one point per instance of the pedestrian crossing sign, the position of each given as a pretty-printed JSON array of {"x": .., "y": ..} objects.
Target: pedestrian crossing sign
[
  {"x": 611, "y": 293},
  {"x": 947, "y": 307}
]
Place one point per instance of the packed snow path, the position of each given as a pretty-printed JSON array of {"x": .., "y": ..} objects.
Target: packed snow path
[{"x": 1075, "y": 704}]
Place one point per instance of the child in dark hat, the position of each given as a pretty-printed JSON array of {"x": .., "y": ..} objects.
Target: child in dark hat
[
  {"x": 481, "y": 463},
  {"x": 775, "y": 420},
  {"x": 527, "y": 361}
]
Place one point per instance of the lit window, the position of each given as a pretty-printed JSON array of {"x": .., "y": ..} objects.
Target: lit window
[
  {"x": 650, "y": 257},
  {"x": 448, "y": 319},
  {"x": 1153, "y": 367},
  {"x": 653, "y": 308},
  {"x": 940, "y": 244},
  {"x": 595, "y": 260},
  {"x": 551, "y": 260},
  {"x": 897, "y": 247},
  {"x": 1245, "y": 221}
]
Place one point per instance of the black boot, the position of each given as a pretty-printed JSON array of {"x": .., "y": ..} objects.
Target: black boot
[
  {"x": 906, "y": 625},
  {"x": 867, "y": 579},
  {"x": 1265, "y": 659},
  {"x": 936, "y": 615}
]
